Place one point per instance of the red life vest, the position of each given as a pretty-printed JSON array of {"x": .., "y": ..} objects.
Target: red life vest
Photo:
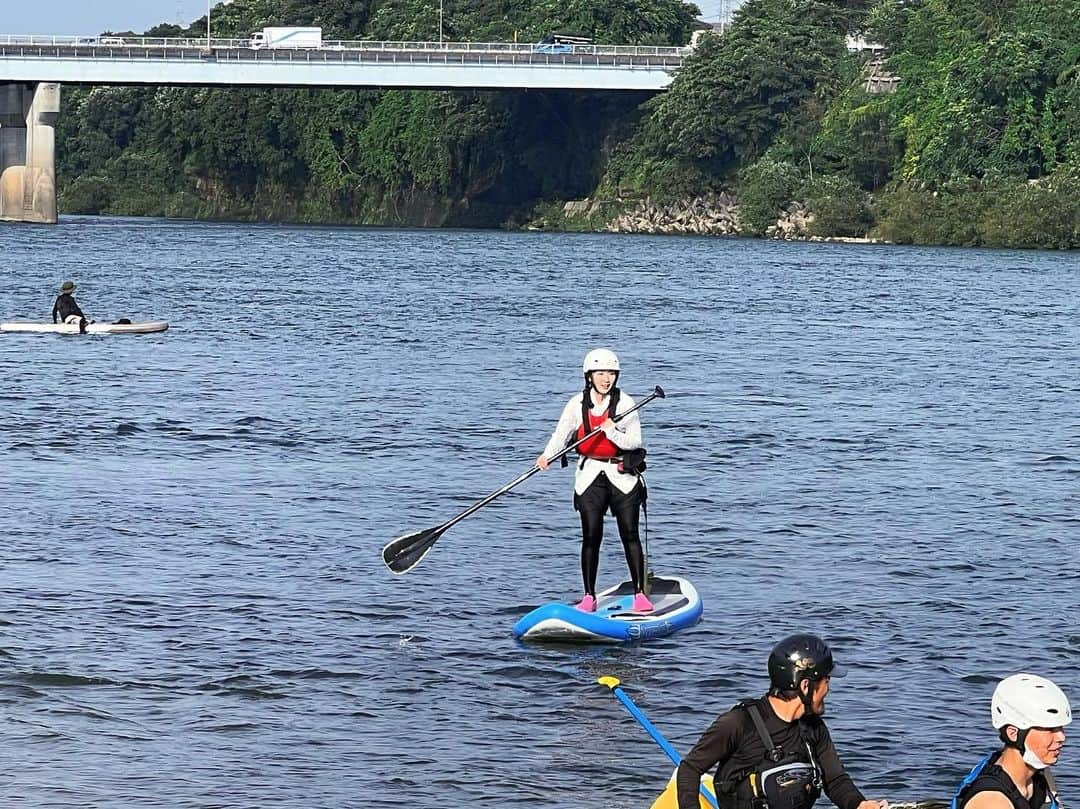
[{"x": 599, "y": 446}]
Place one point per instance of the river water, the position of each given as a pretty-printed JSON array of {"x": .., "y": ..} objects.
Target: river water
[{"x": 877, "y": 444}]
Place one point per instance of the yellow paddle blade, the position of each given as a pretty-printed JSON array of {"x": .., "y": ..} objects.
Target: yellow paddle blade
[{"x": 669, "y": 798}]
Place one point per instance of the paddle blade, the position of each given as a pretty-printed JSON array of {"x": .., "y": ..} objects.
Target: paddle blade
[{"x": 404, "y": 553}]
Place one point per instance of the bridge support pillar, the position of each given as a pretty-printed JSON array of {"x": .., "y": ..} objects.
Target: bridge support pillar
[{"x": 28, "y": 113}]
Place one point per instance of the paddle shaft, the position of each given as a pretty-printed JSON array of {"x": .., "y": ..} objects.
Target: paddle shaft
[
  {"x": 658, "y": 393},
  {"x": 650, "y": 728},
  {"x": 657, "y": 736}
]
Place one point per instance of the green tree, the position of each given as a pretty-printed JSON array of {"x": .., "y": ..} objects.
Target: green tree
[
  {"x": 839, "y": 206},
  {"x": 980, "y": 91},
  {"x": 764, "y": 189},
  {"x": 734, "y": 95}
]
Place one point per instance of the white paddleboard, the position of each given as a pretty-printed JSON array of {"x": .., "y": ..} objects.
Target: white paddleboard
[{"x": 146, "y": 327}]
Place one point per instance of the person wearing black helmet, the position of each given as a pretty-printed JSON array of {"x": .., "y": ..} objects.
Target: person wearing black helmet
[{"x": 775, "y": 752}]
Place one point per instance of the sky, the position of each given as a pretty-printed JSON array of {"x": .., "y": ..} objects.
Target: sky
[
  {"x": 69, "y": 17},
  {"x": 65, "y": 17}
]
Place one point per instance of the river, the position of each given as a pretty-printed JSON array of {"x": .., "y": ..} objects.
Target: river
[{"x": 877, "y": 444}]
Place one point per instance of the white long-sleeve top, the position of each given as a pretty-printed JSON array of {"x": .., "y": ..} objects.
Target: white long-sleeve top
[{"x": 625, "y": 434}]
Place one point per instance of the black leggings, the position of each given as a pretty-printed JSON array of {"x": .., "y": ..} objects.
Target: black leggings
[{"x": 592, "y": 505}]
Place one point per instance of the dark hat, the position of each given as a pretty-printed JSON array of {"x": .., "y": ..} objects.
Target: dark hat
[{"x": 67, "y": 287}]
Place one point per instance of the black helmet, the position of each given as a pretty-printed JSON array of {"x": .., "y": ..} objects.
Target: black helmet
[{"x": 801, "y": 657}]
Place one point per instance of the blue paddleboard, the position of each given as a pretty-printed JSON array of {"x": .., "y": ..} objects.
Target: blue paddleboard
[{"x": 676, "y": 605}]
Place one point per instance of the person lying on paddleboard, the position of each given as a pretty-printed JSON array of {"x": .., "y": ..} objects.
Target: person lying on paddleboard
[
  {"x": 775, "y": 752},
  {"x": 1030, "y": 714},
  {"x": 65, "y": 310},
  {"x": 607, "y": 477}
]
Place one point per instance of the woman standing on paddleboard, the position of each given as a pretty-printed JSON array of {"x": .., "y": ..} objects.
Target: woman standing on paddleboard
[{"x": 605, "y": 478}]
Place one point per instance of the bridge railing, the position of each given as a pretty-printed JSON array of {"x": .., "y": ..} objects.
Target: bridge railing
[{"x": 103, "y": 44}]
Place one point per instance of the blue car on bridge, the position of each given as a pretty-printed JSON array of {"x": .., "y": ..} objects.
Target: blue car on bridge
[
  {"x": 563, "y": 43},
  {"x": 552, "y": 47}
]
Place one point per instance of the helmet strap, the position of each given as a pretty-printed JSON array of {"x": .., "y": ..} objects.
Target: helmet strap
[
  {"x": 587, "y": 399},
  {"x": 1034, "y": 761},
  {"x": 1020, "y": 745},
  {"x": 1029, "y": 757},
  {"x": 805, "y": 696}
]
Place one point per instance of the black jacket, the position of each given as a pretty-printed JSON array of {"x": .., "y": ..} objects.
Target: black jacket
[
  {"x": 733, "y": 743},
  {"x": 65, "y": 307}
]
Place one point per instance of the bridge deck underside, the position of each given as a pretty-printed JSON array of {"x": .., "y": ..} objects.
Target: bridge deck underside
[{"x": 334, "y": 68}]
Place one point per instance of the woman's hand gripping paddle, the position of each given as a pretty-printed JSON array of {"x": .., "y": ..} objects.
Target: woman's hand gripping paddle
[
  {"x": 658, "y": 737},
  {"x": 404, "y": 553}
]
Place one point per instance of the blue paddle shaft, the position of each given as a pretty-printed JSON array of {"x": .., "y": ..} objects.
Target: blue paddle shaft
[{"x": 658, "y": 737}]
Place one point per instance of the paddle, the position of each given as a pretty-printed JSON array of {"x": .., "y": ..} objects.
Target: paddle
[
  {"x": 658, "y": 737},
  {"x": 404, "y": 553}
]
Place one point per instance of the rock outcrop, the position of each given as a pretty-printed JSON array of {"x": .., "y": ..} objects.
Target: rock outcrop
[
  {"x": 706, "y": 215},
  {"x": 794, "y": 223},
  {"x": 709, "y": 214}
]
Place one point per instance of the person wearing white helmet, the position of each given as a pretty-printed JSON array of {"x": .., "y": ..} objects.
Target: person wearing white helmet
[
  {"x": 1030, "y": 714},
  {"x": 608, "y": 475}
]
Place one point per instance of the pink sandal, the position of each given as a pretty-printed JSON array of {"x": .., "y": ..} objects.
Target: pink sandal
[{"x": 587, "y": 604}]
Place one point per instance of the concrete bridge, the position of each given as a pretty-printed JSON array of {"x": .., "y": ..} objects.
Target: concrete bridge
[{"x": 32, "y": 68}]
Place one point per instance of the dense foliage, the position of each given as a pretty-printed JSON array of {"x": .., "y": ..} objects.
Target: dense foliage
[
  {"x": 988, "y": 103},
  {"x": 736, "y": 93},
  {"x": 979, "y": 143},
  {"x": 412, "y": 157}
]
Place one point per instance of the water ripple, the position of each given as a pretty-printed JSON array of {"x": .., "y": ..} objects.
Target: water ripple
[{"x": 877, "y": 444}]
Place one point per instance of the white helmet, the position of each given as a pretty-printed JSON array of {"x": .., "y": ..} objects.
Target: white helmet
[
  {"x": 1029, "y": 701},
  {"x": 600, "y": 359}
]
